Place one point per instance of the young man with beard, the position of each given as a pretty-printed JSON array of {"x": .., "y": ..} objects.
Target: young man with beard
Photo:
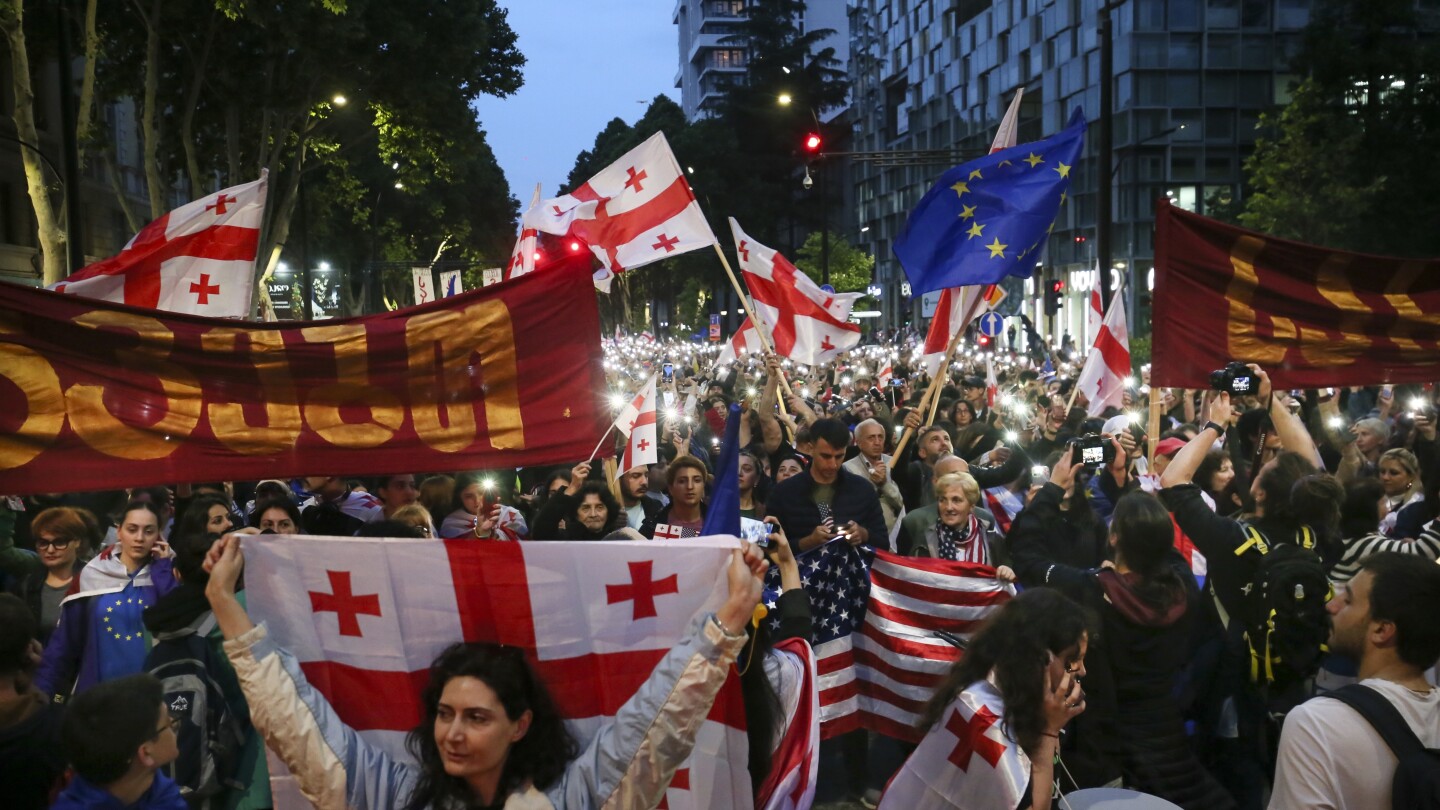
[
  {"x": 1330, "y": 755},
  {"x": 635, "y": 497}
]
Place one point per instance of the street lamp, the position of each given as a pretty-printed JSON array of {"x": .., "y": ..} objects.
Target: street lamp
[
  {"x": 784, "y": 99},
  {"x": 339, "y": 100}
]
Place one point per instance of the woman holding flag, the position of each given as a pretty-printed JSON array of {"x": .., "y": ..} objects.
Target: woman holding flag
[{"x": 490, "y": 735}]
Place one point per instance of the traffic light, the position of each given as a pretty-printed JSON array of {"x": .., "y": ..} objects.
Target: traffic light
[
  {"x": 813, "y": 143},
  {"x": 1052, "y": 297},
  {"x": 982, "y": 340}
]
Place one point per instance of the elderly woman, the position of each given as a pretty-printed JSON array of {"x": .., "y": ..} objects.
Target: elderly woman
[
  {"x": 951, "y": 528},
  {"x": 1400, "y": 478}
]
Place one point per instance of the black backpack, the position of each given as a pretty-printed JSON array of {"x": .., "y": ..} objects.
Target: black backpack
[
  {"x": 1286, "y": 623},
  {"x": 210, "y": 733},
  {"x": 1416, "y": 785}
]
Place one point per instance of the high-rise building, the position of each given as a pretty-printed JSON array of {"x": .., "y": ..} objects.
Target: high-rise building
[
  {"x": 708, "y": 64},
  {"x": 1191, "y": 79}
]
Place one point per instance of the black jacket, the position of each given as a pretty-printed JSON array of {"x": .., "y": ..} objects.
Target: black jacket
[
  {"x": 561, "y": 506},
  {"x": 792, "y": 503},
  {"x": 1045, "y": 537},
  {"x": 913, "y": 476}
]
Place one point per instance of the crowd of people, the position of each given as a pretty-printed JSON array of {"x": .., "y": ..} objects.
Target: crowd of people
[{"x": 1194, "y": 605}]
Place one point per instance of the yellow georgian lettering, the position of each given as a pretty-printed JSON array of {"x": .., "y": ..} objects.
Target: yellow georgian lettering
[
  {"x": 352, "y": 387},
  {"x": 1319, "y": 349},
  {"x": 282, "y": 409},
  {"x": 452, "y": 337},
  {"x": 44, "y": 402},
  {"x": 1243, "y": 340},
  {"x": 101, "y": 429}
]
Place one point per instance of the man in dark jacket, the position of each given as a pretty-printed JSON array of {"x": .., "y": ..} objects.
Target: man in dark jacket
[
  {"x": 826, "y": 502},
  {"x": 31, "y": 765}
]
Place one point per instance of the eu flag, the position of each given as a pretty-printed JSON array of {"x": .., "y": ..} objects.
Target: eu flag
[{"x": 989, "y": 218}]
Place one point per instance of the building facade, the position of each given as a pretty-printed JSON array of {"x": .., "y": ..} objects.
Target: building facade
[
  {"x": 1191, "y": 78},
  {"x": 708, "y": 64}
]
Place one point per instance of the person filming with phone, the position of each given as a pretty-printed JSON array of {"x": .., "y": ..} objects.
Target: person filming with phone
[{"x": 827, "y": 502}]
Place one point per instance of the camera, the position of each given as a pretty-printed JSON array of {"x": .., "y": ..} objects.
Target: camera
[
  {"x": 1092, "y": 450},
  {"x": 1235, "y": 378}
]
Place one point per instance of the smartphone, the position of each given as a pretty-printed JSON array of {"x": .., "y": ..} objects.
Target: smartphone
[
  {"x": 896, "y": 383},
  {"x": 668, "y": 373},
  {"x": 1039, "y": 474}
]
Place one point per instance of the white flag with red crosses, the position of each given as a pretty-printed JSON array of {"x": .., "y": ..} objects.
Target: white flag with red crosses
[
  {"x": 365, "y": 617},
  {"x": 637, "y": 423},
  {"x": 807, "y": 324},
  {"x": 198, "y": 259}
]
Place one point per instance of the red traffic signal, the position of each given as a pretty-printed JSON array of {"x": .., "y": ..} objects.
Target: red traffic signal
[
  {"x": 983, "y": 339},
  {"x": 1057, "y": 285},
  {"x": 812, "y": 142}
]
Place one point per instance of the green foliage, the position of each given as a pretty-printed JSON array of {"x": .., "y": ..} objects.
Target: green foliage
[
  {"x": 1347, "y": 163},
  {"x": 851, "y": 269}
]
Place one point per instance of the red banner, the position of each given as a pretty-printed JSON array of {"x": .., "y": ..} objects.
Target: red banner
[
  {"x": 1309, "y": 316},
  {"x": 99, "y": 396}
]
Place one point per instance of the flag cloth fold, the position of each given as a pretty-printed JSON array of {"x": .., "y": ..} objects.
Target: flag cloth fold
[
  {"x": 745, "y": 341},
  {"x": 875, "y": 617},
  {"x": 637, "y": 422},
  {"x": 1102, "y": 380},
  {"x": 958, "y": 306},
  {"x": 522, "y": 258},
  {"x": 808, "y": 325},
  {"x": 365, "y": 618},
  {"x": 637, "y": 210},
  {"x": 723, "y": 516},
  {"x": 198, "y": 259},
  {"x": 989, "y": 218}
]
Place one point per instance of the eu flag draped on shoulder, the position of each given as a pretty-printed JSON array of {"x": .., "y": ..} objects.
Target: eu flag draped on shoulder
[{"x": 989, "y": 218}]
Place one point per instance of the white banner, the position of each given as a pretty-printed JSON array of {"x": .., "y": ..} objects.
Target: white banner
[{"x": 424, "y": 285}]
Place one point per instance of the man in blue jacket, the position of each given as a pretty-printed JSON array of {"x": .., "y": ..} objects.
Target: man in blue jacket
[
  {"x": 118, "y": 735},
  {"x": 826, "y": 502}
]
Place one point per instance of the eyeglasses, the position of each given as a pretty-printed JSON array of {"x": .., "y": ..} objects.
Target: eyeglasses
[
  {"x": 55, "y": 542},
  {"x": 424, "y": 529},
  {"x": 172, "y": 723}
]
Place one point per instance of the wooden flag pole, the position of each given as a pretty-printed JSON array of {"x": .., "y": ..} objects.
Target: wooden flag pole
[
  {"x": 760, "y": 329},
  {"x": 1152, "y": 427},
  {"x": 601, "y": 443},
  {"x": 612, "y": 478},
  {"x": 933, "y": 391}
]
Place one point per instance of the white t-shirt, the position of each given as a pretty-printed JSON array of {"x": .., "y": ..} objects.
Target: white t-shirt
[{"x": 1332, "y": 759}]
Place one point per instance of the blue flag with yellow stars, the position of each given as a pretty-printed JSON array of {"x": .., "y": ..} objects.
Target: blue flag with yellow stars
[{"x": 990, "y": 218}]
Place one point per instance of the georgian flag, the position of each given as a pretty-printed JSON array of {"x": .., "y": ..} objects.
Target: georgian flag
[
  {"x": 958, "y": 306},
  {"x": 522, "y": 258},
  {"x": 745, "y": 341},
  {"x": 637, "y": 423},
  {"x": 795, "y": 760},
  {"x": 1094, "y": 313},
  {"x": 198, "y": 259},
  {"x": 1102, "y": 380},
  {"x": 637, "y": 210},
  {"x": 965, "y": 761},
  {"x": 365, "y": 617},
  {"x": 807, "y": 324}
]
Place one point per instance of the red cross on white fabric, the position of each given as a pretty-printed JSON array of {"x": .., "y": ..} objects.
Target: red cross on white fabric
[
  {"x": 744, "y": 251},
  {"x": 972, "y": 739},
  {"x": 826, "y": 344},
  {"x": 667, "y": 242},
  {"x": 203, "y": 289},
  {"x": 642, "y": 589},
  {"x": 634, "y": 181},
  {"x": 668, "y": 531},
  {"x": 219, "y": 205},
  {"x": 346, "y": 606},
  {"x": 643, "y": 445}
]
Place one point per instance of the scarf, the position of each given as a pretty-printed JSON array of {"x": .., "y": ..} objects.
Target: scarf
[{"x": 967, "y": 545}]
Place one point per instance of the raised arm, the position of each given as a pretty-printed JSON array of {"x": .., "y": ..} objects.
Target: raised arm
[
  {"x": 1288, "y": 426},
  {"x": 1182, "y": 468}
]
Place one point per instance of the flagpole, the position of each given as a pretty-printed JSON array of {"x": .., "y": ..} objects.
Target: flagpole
[
  {"x": 599, "y": 443},
  {"x": 926, "y": 401},
  {"x": 760, "y": 329},
  {"x": 1152, "y": 427}
]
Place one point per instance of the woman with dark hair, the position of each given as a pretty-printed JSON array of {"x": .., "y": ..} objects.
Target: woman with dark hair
[
  {"x": 1216, "y": 477},
  {"x": 277, "y": 515},
  {"x": 490, "y": 735},
  {"x": 101, "y": 634},
  {"x": 1366, "y": 502},
  {"x": 1020, "y": 675},
  {"x": 205, "y": 514},
  {"x": 65, "y": 537},
  {"x": 586, "y": 510},
  {"x": 478, "y": 514},
  {"x": 754, "y": 486},
  {"x": 1147, "y": 604}
]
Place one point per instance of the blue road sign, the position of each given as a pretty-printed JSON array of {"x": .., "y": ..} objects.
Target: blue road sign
[{"x": 992, "y": 324}]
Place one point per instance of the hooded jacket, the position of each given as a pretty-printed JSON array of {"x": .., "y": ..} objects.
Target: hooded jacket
[{"x": 163, "y": 794}]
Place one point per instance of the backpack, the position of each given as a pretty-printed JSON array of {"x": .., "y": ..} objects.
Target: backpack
[
  {"x": 210, "y": 733},
  {"x": 1416, "y": 785},
  {"x": 1285, "y": 620}
]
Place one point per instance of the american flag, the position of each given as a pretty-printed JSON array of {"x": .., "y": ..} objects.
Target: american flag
[{"x": 875, "y": 618}]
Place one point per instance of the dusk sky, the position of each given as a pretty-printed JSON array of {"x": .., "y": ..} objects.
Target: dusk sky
[{"x": 587, "y": 61}]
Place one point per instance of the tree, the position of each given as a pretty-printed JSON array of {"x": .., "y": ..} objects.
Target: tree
[
  {"x": 851, "y": 269},
  {"x": 1346, "y": 163}
]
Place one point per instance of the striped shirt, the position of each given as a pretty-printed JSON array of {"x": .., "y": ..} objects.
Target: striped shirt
[{"x": 1426, "y": 545}]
